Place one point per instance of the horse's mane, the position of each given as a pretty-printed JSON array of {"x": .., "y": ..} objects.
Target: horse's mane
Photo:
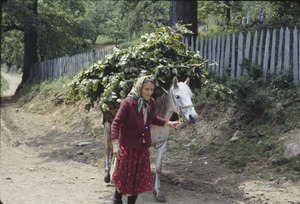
[{"x": 162, "y": 103}]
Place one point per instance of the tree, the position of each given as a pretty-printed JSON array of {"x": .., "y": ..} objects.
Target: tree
[
  {"x": 184, "y": 12},
  {"x": 60, "y": 29},
  {"x": 94, "y": 22},
  {"x": 22, "y": 16},
  {"x": 285, "y": 13},
  {"x": 146, "y": 16},
  {"x": 30, "y": 38},
  {"x": 50, "y": 29}
]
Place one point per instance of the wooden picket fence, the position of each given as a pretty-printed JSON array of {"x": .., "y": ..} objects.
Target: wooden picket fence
[
  {"x": 275, "y": 51},
  {"x": 68, "y": 65}
]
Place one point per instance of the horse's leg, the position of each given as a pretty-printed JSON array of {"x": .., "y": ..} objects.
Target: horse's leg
[
  {"x": 108, "y": 147},
  {"x": 159, "y": 155}
]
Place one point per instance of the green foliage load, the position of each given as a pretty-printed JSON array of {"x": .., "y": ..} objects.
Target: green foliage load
[{"x": 160, "y": 54}]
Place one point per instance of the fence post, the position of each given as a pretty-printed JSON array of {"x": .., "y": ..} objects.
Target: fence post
[
  {"x": 192, "y": 44},
  {"x": 260, "y": 48},
  {"x": 222, "y": 55},
  {"x": 233, "y": 56},
  {"x": 240, "y": 55},
  {"x": 272, "y": 64},
  {"x": 197, "y": 44},
  {"x": 201, "y": 47},
  {"x": 214, "y": 53},
  {"x": 218, "y": 54},
  {"x": 247, "y": 49},
  {"x": 295, "y": 56},
  {"x": 279, "y": 60},
  {"x": 266, "y": 55},
  {"x": 209, "y": 53},
  {"x": 286, "y": 50},
  {"x": 227, "y": 53},
  {"x": 205, "y": 52},
  {"x": 187, "y": 43},
  {"x": 253, "y": 61}
]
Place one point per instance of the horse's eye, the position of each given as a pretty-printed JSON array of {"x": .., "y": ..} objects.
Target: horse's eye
[{"x": 177, "y": 97}]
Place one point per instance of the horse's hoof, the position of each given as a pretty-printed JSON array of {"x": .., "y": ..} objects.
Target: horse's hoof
[
  {"x": 159, "y": 197},
  {"x": 107, "y": 179}
]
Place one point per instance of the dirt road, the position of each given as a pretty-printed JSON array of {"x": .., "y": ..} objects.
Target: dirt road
[
  {"x": 41, "y": 162},
  {"x": 13, "y": 81}
]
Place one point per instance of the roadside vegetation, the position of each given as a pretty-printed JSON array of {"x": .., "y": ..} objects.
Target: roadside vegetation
[
  {"x": 261, "y": 112},
  {"x": 4, "y": 85}
]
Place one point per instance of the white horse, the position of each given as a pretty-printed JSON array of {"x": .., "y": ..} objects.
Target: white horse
[{"x": 177, "y": 100}]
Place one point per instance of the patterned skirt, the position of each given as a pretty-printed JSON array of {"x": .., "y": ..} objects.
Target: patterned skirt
[{"x": 132, "y": 174}]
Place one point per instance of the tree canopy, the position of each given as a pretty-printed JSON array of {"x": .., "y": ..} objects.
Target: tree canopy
[{"x": 59, "y": 28}]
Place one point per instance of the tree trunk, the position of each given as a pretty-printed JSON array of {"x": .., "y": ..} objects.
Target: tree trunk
[
  {"x": 30, "y": 41},
  {"x": 227, "y": 13},
  {"x": 186, "y": 13}
]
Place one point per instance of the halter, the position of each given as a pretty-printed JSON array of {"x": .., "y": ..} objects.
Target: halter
[{"x": 179, "y": 108}]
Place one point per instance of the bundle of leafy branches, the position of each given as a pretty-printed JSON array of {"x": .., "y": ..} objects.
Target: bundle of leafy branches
[{"x": 161, "y": 54}]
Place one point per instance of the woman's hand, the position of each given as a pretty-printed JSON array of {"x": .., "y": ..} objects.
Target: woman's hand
[
  {"x": 116, "y": 149},
  {"x": 174, "y": 124}
]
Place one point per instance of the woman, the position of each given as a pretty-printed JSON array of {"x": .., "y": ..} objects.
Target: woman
[{"x": 130, "y": 133}]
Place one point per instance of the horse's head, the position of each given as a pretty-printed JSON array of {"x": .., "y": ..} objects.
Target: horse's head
[{"x": 182, "y": 96}]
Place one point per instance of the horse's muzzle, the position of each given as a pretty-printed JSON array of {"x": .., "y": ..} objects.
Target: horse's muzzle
[{"x": 192, "y": 119}]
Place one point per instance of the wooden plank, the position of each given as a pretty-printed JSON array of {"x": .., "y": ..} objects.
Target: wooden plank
[
  {"x": 187, "y": 43},
  {"x": 201, "y": 47},
  {"x": 192, "y": 44},
  {"x": 197, "y": 44},
  {"x": 247, "y": 46},
  {"x": 209, "y": 53},
  {"x": 218, "y": 54},
  {"x": 205, "y": 52},
  {"x": 232, "y": 57},
  {"x": 260, "y": 48},
  {"x": 247, "y": 49},
  {"x": 222, "y": 55},
  {"x": 295, "y": 56},
  {"x": 266, "y": 55},
  {"x": 279, "y": 58},
  {"x": 286, "y": 50},
  {"x": 253, "y": 61},
  {"x": 227, "y": 52},
  {"x": 214, "y": 53},
  {"x": 272, "y": 63},
  {"x": 240, "y": 55}
]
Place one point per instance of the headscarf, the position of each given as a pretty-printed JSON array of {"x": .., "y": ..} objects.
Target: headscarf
[{"x": 136, "y": 93}]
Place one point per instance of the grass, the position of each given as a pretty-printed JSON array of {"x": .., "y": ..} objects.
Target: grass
[
  {"x": 102, "y": 39},
  {"x": 38, "y": 96}
]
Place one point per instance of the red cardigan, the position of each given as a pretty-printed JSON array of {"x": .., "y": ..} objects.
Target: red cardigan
[{"x": 128, "y": 125}]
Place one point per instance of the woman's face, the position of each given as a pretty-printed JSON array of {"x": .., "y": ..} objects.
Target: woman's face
[{"x": 147, "y": 90}]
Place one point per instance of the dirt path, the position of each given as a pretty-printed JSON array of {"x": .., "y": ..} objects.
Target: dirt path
[{"x": 41, "y": 162}]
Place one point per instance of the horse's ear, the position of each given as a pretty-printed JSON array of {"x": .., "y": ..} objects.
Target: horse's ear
[
  {"x": 187, "y": 81},
  {"x": 175, "y": 82}
]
